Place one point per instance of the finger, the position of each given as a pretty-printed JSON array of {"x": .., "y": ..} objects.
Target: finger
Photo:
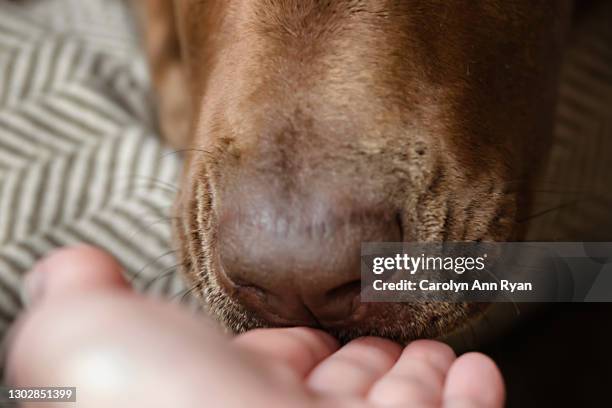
[
  {"x": 417, "y": 378},
  {"x": 474, "y": 381},
  {"x": 72, "y": 270},
  {"x": 353, "y": 369},
  {"x": 299, "y": 348}
]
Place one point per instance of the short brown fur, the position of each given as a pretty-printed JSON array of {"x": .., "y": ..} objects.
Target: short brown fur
[{"x": 442, "y": 109}]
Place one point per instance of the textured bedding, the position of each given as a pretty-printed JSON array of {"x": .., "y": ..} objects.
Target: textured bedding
[{"x": 81, "y": 160}]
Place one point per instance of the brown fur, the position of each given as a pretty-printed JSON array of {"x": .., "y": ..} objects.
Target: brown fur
[{"x": 441, "y": 108}]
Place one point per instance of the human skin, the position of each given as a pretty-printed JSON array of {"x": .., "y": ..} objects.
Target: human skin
[{"x": 84, "y": 327}]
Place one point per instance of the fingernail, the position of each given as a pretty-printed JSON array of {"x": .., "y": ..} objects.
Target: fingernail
[{"x": 33, "y": 286}]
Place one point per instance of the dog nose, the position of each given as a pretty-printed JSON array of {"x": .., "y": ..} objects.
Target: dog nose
[{"x": 298, "y": 263}]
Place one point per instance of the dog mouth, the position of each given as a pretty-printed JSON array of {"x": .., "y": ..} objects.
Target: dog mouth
[
  {"x": 258, "y": 256},
  {"x": 345, "y": 302},
  {"x": 400, "y": 322},
  {"x": 234, "y": 307},
  {"x": 241, "y": 306}
]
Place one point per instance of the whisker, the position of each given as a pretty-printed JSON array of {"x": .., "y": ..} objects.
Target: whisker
[
  {"x": 157, "y": 259},
  {"x": 557, "y": 192},
  {"x": 152, "y": 182},
  {"x": 147, "y": 227},
  {"x": 167, "y": 273},
  {"x": 184, "y": 293},
  {"x": 206, "y": 152},
  {"x": 540, "y": 186},
  {"x": 549, "y": 210},
  {"x": 187, "y": 294}
]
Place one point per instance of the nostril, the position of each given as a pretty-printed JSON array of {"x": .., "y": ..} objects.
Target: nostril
[
  {"x": 336, "y": 305},
  {"x": 235, "y": 283},
  {"x": 400, "y": 225},
  {"x": 252, "y": 289},
  {"x": 346, "y": 290}
]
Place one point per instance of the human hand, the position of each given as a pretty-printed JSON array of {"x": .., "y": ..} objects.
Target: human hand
[{"x": 86, "y": 329}]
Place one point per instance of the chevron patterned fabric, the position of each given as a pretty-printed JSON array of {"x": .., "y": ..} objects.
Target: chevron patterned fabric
[{"x": 80, "y": 159}]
